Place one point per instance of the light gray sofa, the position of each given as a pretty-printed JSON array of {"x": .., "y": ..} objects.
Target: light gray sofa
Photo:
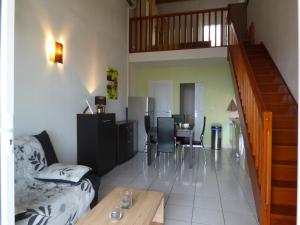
[{"x": 41, "y": 202}]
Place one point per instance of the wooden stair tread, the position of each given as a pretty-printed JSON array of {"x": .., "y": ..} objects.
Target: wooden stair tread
[
  {"x": 289, "y": 210},
  {"x": 276, "y": 95},
  {"x": 288, "y": 118},
  {"x": 255, "y": 49},
  {"x": 268, "y": 82},
  {"x": 285, "y": 130},
  {"x": 286, "y": 147},
  {"x": 285, "y": 117},
  {"x": 285, "y": 136},
  {"x": 286, "y": 104},
  {"x": 282, "y": 220},
  {"x": 284, "y": 184},
  {"x": 283, "y": 152},
  {"x": 284, "y": 162},
  {"x": 264, "y": 73},
  {"x": 261, "y": 65},
  {"x": 277, "y": 98},
  {"x": 284, "y": 171},
  {"x": 266, "y": 76},
  {"x": 260, "y": 60},
  {"x": 271, "y": 84},
  {"x": 283, "y": 111},
  {"x": 271, "y": 88}
]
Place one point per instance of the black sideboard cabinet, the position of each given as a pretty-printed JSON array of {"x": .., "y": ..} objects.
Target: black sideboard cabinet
[
  {"x": 96, "y": 141},
  {"x": 126, "y": 144}
]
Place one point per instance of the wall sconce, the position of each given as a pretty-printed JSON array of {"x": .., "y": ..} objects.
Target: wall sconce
[{"x": 56, "y": 52}]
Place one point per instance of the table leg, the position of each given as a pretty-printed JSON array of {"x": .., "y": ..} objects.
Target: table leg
[
  {"x": 191, "y": 151},
  {"x": 148, "y": 150}
]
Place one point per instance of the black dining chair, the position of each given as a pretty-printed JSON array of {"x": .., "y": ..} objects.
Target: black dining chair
[
  {"x": 200, "y": 143},
  {"x": 150, "y": 139},
  {"x": 178, "y": 118},
  {"x": 147, "y": 129},
  {"x": 166, "y": 140}
]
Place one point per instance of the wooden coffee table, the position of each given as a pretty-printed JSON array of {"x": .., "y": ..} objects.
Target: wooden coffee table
[{"x": 147, "y": 209}]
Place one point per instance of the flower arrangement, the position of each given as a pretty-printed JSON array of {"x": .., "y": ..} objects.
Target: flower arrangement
[{"x": 112, "y": 83}]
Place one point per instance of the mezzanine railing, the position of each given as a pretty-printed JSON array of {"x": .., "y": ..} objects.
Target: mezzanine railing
[{"x": 186, "y": 30}]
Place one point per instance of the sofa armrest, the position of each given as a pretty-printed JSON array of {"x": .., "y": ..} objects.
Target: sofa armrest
[{"x": 95, "y": 180}]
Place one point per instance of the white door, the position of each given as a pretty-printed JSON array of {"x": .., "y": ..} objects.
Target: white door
[
  {"x": 6, "y": 112},
  {"x": 162, "y": 92},
  {"x": 199, "y": 110}
]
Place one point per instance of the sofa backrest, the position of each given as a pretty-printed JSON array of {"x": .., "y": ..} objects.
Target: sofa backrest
[{"x": 29, "y": 159}]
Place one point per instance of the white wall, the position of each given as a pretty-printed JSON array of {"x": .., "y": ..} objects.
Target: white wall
[
  {"x": 48, "y": 96},
  {"x": 275, "y": 24},
  {"x": 179, "y": 55},
  {"x": 193, "y": 5}
]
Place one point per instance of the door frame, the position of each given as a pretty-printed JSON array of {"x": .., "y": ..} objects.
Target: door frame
[
  {"x": 7, "y": 190},
  {"x": 167, "y": 82},
  {"x": 199, "y": 109}
]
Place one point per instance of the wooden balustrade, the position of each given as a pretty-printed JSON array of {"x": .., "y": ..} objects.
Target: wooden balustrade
[
  {"x": 258, "y": 121},
  {"x": 187, "y": 30}
]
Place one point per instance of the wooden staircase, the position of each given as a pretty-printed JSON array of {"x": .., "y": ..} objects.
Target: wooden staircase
[
  {"x": 268, "y": 114},
  {"x": 280, "y": 102}
]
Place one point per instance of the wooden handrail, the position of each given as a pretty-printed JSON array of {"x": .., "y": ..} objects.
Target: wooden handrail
[
  {"x": 253, "y": 82},
  {"x": 175, "y": 31},
  {"x": 258, "y": 120},
  {"x": 181, "y": 13}
]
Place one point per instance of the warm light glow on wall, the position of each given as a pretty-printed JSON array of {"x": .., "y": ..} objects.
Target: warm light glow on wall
[
  {"x": 91, "y": 83},
  {"x": 55, "y": 50}
]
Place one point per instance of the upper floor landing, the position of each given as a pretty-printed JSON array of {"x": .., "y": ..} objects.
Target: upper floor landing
[{"x": 179, "y": 31}]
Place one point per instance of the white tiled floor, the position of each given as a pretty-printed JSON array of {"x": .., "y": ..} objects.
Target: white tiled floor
[{"x": 215, "y": 192}]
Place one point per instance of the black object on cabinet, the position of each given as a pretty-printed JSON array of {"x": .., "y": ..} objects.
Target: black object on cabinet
[
  {"x": 96, "y": 141},
  {"x": 125, "y": 140}
]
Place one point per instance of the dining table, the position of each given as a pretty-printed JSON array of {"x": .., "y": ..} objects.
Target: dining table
[
  {"x": 180, "y": 132},
  {"x": 187, "y": 133}
]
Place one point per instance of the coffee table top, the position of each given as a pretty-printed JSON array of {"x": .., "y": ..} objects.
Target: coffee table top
[{"x": 145, "y": 206}]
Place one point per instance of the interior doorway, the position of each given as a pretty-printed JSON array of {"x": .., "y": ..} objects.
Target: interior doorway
[
  {"x": 192, "y": 106},
  {"x": 187, "y": 101},
  {"x": 162, "y": 92}
]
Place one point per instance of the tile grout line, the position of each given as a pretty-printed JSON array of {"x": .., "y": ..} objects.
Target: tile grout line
[
  {"x": 242, "y": 187},
  {"x": 221, "y": 204},
  {"x": 138, "y": 174},
  {"x": 195, "y": 189},
  {"x": 172, "y": 185}
]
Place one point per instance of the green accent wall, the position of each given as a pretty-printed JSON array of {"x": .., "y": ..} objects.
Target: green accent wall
[{"x": 218, "y": 90}]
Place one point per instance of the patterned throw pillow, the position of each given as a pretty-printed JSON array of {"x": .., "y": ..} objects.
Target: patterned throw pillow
[
  {"x": 29, "y": 156},
  {"x": 58, "y": 172}
]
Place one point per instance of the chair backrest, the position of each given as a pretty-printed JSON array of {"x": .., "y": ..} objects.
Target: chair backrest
[
  {"x": 165, "y": 134},
  {"x": 147, "y": 124},
  {"x": 178, "y": 118},
  {"x": 203, "y": 129}
]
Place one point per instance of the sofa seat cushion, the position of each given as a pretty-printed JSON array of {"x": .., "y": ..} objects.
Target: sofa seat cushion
[{"x": 54, "y": 203}]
